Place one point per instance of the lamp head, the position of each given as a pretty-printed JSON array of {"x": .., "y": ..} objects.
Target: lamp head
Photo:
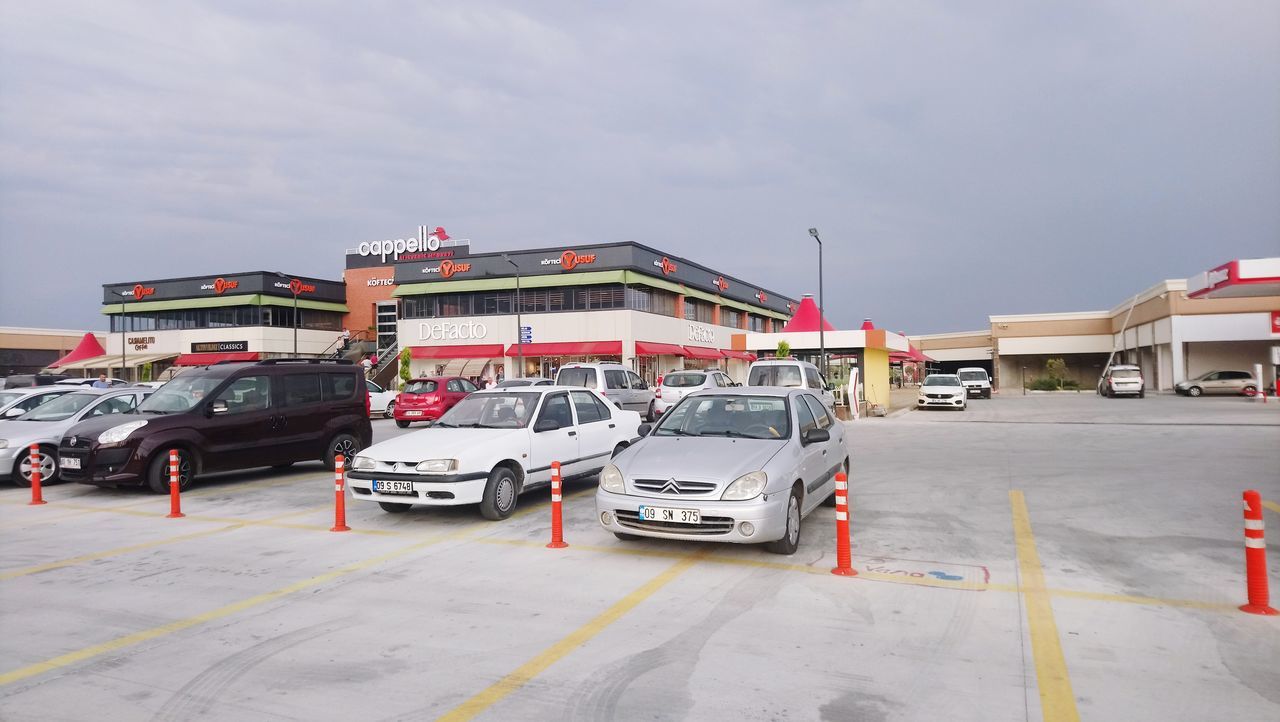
[{"x": 813, "y": 232}]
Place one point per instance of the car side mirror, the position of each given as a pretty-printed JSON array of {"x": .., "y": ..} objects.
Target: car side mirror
[
  {"x": 14, "y": 412},
  {"x": 644, "y": 429},
  {"x": 217, "y": 407},
  {"x": 813, "y": 436},
  {"x": 545, "y": 425}
]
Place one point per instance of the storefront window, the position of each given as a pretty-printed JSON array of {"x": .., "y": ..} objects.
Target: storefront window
[
  {"x": 695, "y": 310},
  {"x": 755, "y": 323},
  {"x": 231, "y": 316},
  {"x": 730, "y": 317}
]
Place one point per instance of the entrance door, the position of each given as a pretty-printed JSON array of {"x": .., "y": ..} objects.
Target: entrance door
[{"x": 388, "y": 312}]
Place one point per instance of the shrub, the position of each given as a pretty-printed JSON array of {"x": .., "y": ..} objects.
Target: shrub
[
  {"x": 1043, "y": 384},
  {"x": 784, "y": 350},
  {"x": 404, "y": 367}
]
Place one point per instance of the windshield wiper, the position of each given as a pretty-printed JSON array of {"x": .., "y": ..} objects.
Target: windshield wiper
[
  {"x": 675, "y": 432},
  {"x": 445, "y": 424}
]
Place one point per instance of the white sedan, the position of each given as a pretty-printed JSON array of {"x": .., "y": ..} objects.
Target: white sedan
[
  {"x": 382, "y": 402},
  {"x": 942, "y": 391},
  {"x": 492, "y": 446}
]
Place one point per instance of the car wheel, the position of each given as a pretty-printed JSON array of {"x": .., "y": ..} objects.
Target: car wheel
[
  {"x": 1250, "y": 391},
  {"x": 344, "y": 444},
  {"x": 790, "y": 540},
  {"x": 500, "y": 494},
  {"x": 626, "y": 537},
  {"x": 46, "y": 460},
  {"x": 1194, "y": 391},
  {"x": 652, "y": 414},
  {"x": 393, "y": 508},
  {"x": 390, "y": 413},
  {"x": 1142, "y": 394},
  {"x": 158, "y": 471},
  {"x": 402, "y": 424}
]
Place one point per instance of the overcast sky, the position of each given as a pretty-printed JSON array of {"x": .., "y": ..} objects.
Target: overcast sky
[{"x": 960, "y": 158}]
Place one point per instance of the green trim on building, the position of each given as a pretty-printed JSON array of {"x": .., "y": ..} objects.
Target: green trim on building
[{"x": 256, "y": 299}]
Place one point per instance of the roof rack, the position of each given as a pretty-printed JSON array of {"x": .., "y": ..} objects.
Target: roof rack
[{"x": 279, "y": 361}]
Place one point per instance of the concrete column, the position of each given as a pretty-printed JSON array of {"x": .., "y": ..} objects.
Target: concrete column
[
  {"x": 680, "y": 305},
  {"x": 1177, "y": 356},
  {"x": 715, "y": 315}
]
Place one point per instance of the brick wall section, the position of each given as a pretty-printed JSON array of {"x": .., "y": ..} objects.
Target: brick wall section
[{"x": 361, "y": 297}]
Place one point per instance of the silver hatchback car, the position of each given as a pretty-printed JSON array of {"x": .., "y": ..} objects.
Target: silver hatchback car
[{"x": 741, "y": 465}]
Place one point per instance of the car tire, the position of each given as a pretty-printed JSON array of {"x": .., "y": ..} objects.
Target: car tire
[
  {"x": 622, "y": 536},
  {"x": 1194, "y": 391},
  {"x": 158, "y": 471},
  {"x": 651, "y": 415},
  {"x": 48, "y": 461},
  {"x": 1142, "y": 394},
  {"x": 390, "y": 412},
  {"x": 344, "y": 444},
  {"x": 790, "y": 540},
  {"x": 402, "y": 424},
  {"x": 1250, "y": 391},
  {"x": 500, "y": 495},
  {"x": 393, "y": 508}
]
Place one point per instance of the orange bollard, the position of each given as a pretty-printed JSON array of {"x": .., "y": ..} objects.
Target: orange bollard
[
  {"x": 1255, "y": 557},
  {"x": 844, "y": 557},
  {"x": 37, "y": 494},
  {"x": 557, "y": 518},
  {"x": 339, "y": 495},
  {"x": 175, "y": 487}
]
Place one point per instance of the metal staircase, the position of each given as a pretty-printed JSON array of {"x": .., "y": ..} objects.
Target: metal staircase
[{"x": 388, "y": 358}]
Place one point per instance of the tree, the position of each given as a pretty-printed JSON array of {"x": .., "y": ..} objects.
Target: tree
[
  {"x": 784, "y": 350},
  {"x": 404, "y": 368},
  {"x": 1056, "y": 369},
  {"x": 146, "y": 371}
]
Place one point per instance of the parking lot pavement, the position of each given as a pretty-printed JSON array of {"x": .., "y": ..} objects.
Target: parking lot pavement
[{"x": 1012, "y": 567}]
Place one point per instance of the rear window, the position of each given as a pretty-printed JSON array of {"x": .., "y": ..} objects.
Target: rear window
[
  {"x": 301, "y": 389},
  {"x": 577, "y": 377},
  {"x": 776, "y": 376},
  {"x": 1126, "y": 373},
  {"x": 420, "y": 387},
  {"x": 339, "y": 387},
  {"x": 683, "y": 380},
  {"x": 973, "y": 375}
]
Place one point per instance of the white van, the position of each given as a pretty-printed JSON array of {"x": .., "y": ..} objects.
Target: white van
[
  {"x": 619, "y": 384},
  {"x": 976, "y": 381},
  {"x": 792, "y": 373}
]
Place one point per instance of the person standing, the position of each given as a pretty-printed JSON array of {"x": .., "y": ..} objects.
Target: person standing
[
  {"x": 346, "y": 339},
  {"x": 367, "y": 365},
  {"x": 102, "y": 382}
]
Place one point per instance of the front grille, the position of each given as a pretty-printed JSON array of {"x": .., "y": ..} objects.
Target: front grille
[
  {"x": 938, "y": 396},
  {"x": 81, "y": 442},
  {"x": 710, "y": 526},
  {"x": 674, "y": 487}
]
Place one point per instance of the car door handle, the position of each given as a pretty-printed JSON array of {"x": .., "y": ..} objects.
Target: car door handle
[
  {"x": 573, "y": 433},
  {"x": 612, "y": 425}
]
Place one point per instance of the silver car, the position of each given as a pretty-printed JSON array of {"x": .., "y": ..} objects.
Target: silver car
[
  {"x": 740, "y": 465},
  {"x": 16, "y": 402},
  {"x": 45, "y": 425},
  {"x": 679, "y": 384},
  {"x": 1219, "y": 382}
]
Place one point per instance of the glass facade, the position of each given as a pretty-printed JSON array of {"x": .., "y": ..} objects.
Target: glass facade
[
  {"x": 730, "y": 317},
  {"x": 227, "y": 317},
  {"x": 755, "y": 323},
  {"x": 539, "y": 300}
]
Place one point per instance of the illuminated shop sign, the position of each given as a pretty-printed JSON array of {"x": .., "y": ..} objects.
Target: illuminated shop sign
[
  {"x": 218, "y": 346},
  {"x": 570, "y": 260},
  {"x": 448, "y": 331},
  {"x": 448, "y": 269},
  {"x": 219, "y": 285}
]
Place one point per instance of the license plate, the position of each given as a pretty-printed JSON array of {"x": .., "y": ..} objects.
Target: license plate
[
  {"x": 679, "y": 516},
  {"x": 393, "y": 487},
  {"x": 69, "y": 462},
  {"x": 413, "y": 413}
]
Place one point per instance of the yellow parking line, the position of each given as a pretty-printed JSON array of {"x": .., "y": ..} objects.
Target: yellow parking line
[
  {"x": 1057, "y": 701},
  {"x": 1272, "y": 506},
  {"x": 580, "y": 636},
  {"x": 111, "y": 553}
]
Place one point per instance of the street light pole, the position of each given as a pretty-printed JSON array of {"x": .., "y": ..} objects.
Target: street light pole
[
  {"x": 124, "y": 346},
  {"x": 519, "y": 324},
  {"x": 292, "y": 287},
  {"x": 822, "y": 324}
]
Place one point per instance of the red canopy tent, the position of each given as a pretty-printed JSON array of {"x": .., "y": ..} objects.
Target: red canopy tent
[
  {"x": 87, "y": 348},
  {"x": 807, "y": 318}
]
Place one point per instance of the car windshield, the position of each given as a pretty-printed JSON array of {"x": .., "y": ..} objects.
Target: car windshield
[
  {"x": 181, "y": 394},
  {"x": 1126, "y": 373},
  {"x": 751, "y": 417},
  {"x": 973, "y": 376},
  {"x": 941, "y": 380},
  {"x": 63, "y": 407},
  {"x": 785, "y": 375},
  {"x": 577, "y": 377},
  {"x": 511, "y": 410},
  {"x": 683, "y": 380},
  {"x": 8, "y": 397},
  {"x": 420, "y": 387}
]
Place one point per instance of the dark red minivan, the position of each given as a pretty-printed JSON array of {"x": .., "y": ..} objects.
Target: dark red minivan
[{"x": 426, "y": 399}]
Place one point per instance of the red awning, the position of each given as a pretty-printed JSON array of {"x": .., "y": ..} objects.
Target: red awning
[
  {"x": 205, "y": 359},
  {"x": 487, "y": 350},
  {"x": 569, "y": 348},
  {"x": 740, "y": 355},
  {"x": 702, "y": 352},
  {"x": 87, "y": 348},
  {"x": 648, "y": 348}
]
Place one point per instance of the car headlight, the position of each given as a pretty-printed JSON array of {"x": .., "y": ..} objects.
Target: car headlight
[
  {"x": 437, "y": 466},
  {"x": 747, "y": 486},
  {"x": 117, "y": 434},
  {"x": 611, "y": 480},
  {"x": 4, "y": 443},
  {"x": 362, "y": 463}
]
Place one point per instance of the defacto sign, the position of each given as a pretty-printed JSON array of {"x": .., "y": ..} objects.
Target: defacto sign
[
  {"x": 428, "y": 241},
  {"x": 570, "y": 260},
  {"x": 219, "y": 285},
  {"x": 702, "y": 334},
  {"x": 218, "y": 346},
  {"x": 447, "y": 331}
]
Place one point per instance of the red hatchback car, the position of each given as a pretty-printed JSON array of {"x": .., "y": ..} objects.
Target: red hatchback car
[{"x": 427, "y": 399}]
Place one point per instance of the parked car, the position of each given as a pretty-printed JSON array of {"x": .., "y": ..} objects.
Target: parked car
[
  {"x": 382, "y": 402},
  {"x": 792, "y": 373},
  {"x": 22, "y": 381},
  {"x": 942, "y": 391},
  {"x": 90, "y": 381},
  {"x": 1122, "y": 380},
  {"x": 677, "y": 385},
  {"x": 727, "y": 465},
  {"x": 45, "y": 424},
  {"x": 16, "y": 402},
  {"x": 491, "y": 447},
  {"x": 1219, "y": 382},
  {"x": 976, "y": 381},
  {"x": 426, "y": 399},
  {"x": 527, "y": 381},
  {"x": 623, "y": 387},
  {"x": 228, "y": 416}
]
